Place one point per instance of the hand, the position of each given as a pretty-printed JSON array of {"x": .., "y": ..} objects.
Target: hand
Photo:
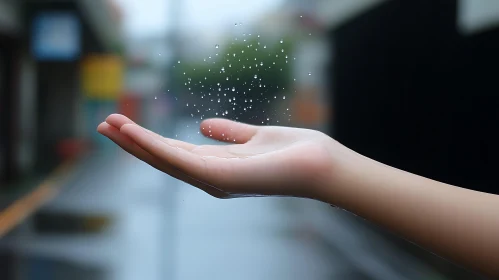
[{"x": 259, "y": 161}]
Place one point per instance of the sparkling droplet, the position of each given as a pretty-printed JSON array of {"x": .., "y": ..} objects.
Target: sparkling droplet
[
  {"x": 178, "y": 61},
  {"x": 282, "y": 41},
  {"x": 310, "y": 73},
  {"x": 155, "y": 97},
  {"x": 284, "y": 97},
  {"x": 216, "y": 46}
]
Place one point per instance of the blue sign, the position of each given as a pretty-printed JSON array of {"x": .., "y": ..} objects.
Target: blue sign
[{"x": 56, "y": 36}]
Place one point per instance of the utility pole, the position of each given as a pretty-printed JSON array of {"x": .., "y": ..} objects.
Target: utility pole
[{"x": 171, "y": 194}]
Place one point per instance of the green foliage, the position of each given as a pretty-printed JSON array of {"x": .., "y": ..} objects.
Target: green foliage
[{"x": 249, "y": 70}]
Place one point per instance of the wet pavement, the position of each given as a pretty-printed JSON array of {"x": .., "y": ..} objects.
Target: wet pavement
[{"x": 165, "y": 229}]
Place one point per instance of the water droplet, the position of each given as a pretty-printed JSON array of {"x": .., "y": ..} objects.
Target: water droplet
[
  {"x": 310, "y": 73},
  {"x": 261, "y": 63},
  {"x": 216, "y": 46},
  {"x": 227, "y": 78},
  {"x": 155, "y": 97},
  {"x": 284, "y": 97},
  {"x": 282, "y": 50},
  {"x": 282, "y": 41},
  {"x": 255, "y": 76},
  {"x": 235, "y": 24},
  {"x": 226, "y": 112},
  {"x": 233, "y": 89},
  {"x": 178, "y": 61},
  {"x": 265, "y": 46}
]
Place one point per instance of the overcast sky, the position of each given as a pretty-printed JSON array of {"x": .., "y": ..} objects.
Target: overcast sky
[{"x": 150, "y": 17}]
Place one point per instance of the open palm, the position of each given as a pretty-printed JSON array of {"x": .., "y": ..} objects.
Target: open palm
[{"x": 259, "y": 161}]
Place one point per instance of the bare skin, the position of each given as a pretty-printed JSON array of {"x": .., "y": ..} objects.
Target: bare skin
[{"x": 456, "y": 223}]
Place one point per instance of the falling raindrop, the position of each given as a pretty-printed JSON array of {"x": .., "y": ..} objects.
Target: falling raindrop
[
  {"x": 233, "y": 89},
  {"x": 284, "y": 97},
  {"x": 255, "y": 77},
  {"x": 282, "y": 41},
  {"x": 155, "y": 97},
  {"x": 216, "y": 46},
  {"x": 178, "y": 61},
  {"x": 310, "y": 73}
]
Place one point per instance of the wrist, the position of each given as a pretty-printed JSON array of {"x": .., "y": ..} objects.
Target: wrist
[{"x": 346, "y": 177}]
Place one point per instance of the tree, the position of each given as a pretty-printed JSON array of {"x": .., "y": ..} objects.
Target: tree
[{"x": 241, "y": 82}]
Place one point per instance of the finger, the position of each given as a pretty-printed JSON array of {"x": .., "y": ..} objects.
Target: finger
[
  {"x": 118, "y": 121},
  {"x": 131, "y": 147},
  {"x": 186, "y": 162},
  {"x": 228, "y": 131},
  {"x": 126, "y": 143}
]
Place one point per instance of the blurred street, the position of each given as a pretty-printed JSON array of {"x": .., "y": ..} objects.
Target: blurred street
[{"x": 165, "y": 227}]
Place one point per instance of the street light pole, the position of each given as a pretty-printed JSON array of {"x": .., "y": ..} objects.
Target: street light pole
[{"x": 171, "y": 198}]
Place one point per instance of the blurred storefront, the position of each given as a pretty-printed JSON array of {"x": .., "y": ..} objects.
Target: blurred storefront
[
  {"x": 42, "y": 45},
  {"x": 42, "y": 98}
]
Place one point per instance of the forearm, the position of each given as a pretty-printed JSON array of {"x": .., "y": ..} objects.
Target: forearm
[{"x": 458, "y": 224}]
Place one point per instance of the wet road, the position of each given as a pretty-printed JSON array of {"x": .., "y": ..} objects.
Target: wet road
[{"x": 165, "y": 229}]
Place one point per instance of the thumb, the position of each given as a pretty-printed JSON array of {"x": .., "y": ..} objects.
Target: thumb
[{"x": 228, "y": 131}]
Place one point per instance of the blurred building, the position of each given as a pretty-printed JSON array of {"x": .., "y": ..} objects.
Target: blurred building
[{"x": 43, "y": 43}]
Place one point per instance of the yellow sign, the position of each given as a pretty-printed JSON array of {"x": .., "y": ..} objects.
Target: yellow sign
[{"x": 102, "y": 76}]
